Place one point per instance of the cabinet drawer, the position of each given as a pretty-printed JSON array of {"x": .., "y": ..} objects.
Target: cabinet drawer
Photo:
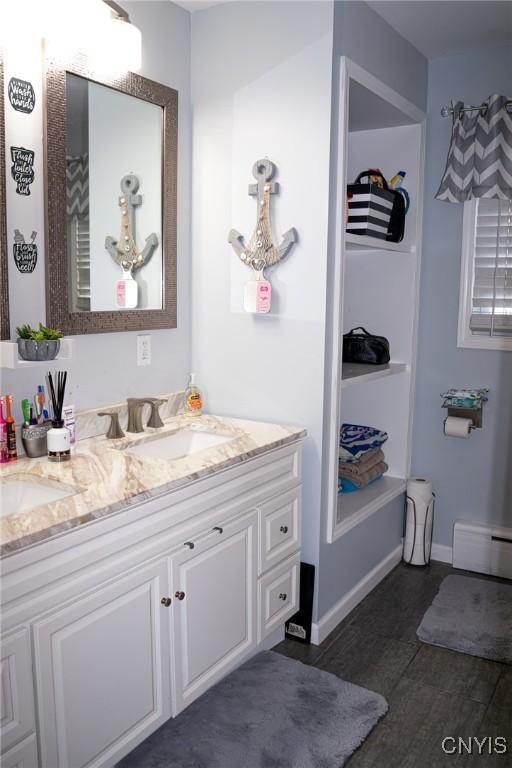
[
  {"x": 23, "y": 755},
  {"x": 278, "y": 595},
  {"x": 279, "y": 529},
  {"x": 16, "y": 689}
]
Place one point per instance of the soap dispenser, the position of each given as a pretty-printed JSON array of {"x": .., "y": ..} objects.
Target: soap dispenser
[{"x": 193, "y": 404}]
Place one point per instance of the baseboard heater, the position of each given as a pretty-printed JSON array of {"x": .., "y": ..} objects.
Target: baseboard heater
[{"x": 482, "y": 548}]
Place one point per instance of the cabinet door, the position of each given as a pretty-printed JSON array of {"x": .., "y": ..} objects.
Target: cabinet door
[
  {"x": 102, "y": 667},
  {"x": 23, "y": 755},
  {"x": 215, "y": 619},
  {"x": 16, "y": 689}
]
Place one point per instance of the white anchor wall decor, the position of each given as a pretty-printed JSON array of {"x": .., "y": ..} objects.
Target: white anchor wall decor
[
  {"x": 261, "y": 252},
  {"x": 124, "y": 251}
]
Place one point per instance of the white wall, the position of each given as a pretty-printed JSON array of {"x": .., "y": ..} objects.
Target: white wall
[
  {"x": 26, "y": 214},
  {"x": 261, "y": 85},
  {"x": 364, "y": 36},
  {"x": 472, "y": 478},
  {"x": 104, "y": 368}
]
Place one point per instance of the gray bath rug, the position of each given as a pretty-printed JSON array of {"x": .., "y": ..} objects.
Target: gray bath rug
[
  {"x": 472, "y": 616},
  {"x": 273, "y": 712}
]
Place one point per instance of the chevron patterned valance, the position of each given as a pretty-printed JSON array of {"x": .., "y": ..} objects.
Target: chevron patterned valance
[
  {"x": 479, "y": 160},
  {"x": 77, "y": 187}
]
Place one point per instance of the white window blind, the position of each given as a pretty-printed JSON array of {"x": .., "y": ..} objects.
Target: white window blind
[{"x": 491, "y": 296}]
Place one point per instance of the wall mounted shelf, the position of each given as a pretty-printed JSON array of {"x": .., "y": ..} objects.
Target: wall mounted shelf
[
  {"x": 355, "y": 507},
  {"x": 356, "y": 373},
  {"x": 365, "y": 243},
  {"x": 9, "y": 356}
]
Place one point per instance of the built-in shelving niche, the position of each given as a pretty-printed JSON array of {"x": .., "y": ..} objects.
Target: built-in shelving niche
[{"x": 375, "y": 285}]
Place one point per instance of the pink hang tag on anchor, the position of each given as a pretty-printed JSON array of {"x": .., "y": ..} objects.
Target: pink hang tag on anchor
[
  {"x": 263, "y": 296},
  {"x": 257, "y": 296},
  {"x": 126, "y": 292}
]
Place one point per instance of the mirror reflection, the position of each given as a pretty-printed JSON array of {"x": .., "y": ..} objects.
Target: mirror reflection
[{"x": 114, "y": 145}]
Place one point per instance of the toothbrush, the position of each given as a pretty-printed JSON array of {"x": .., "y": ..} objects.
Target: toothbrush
[
  {"x": 25, "y": 407},
  {"x": 42, "y": 398},
  {"x": 37, "y": 409}
]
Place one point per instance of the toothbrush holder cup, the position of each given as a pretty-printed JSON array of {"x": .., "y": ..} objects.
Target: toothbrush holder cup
[{"x": 33, "y": 439}]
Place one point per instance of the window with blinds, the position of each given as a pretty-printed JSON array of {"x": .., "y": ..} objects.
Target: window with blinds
[{"x": 491, "y": 292}]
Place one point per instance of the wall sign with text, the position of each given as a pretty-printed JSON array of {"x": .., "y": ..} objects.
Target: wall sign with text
[
  {"x": 25, "y": 254},
  {"x": 21, "y": 95},
  {"x": 22, "y": 169}
]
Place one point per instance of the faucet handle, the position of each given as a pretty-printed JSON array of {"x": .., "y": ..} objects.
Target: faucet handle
[
  {"x": 155, "y": 420},
  {"x": 114, "y": 431}
]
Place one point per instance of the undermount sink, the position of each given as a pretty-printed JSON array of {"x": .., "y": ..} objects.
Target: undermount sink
[
  {"x": 21, "y": 493},
  {"x": 178, "y": 444}
]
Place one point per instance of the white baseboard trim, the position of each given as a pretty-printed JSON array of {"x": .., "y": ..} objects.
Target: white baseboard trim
[
  {"x": 348, "y": 602},
  {"x": 442, "y": 553}
]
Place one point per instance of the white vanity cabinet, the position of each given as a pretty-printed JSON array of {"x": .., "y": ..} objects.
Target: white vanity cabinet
[{"x": 116, "y": 626}]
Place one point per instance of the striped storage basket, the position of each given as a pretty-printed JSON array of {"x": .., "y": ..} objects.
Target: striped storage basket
[{"x": 369, "y": 209}]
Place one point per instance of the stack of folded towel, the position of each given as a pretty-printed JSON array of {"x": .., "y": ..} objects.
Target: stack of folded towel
[{"x": 361, "y": 458}]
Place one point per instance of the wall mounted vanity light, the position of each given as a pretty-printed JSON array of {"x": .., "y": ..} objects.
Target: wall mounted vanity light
[
  {"x": 125, "y": 38},
  {"x": 99, "y": 29}
]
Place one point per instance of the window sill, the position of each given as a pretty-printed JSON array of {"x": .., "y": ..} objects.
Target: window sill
[{"x": 496, "y": 343}]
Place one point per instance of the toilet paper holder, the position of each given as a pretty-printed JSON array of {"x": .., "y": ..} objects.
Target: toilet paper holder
[
  {"x": 475, "y": 414},
  {"x": 466, "y": 404}
]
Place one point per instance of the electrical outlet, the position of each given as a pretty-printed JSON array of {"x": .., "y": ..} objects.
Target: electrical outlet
[{"x": 144, "y": 350}]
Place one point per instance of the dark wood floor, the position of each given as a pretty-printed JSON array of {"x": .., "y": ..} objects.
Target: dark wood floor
[{"x": 432, "y": 692}]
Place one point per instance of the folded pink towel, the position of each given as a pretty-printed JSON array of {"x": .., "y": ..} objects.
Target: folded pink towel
[
  {"x": 362, "y": 480},
  {"x": 362, "y": 465}
]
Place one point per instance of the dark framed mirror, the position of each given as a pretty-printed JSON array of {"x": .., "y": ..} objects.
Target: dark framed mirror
[
  {"x": 111, "y": 188},
  {"x": 4, "y": 259}
]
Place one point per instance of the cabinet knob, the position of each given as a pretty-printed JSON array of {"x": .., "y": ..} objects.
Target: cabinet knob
[
  {"x": 284, "y": 529},
  {"x": 283, "y": 595},
  {"x": 179, "y": 595},
  {"x": 189, "y": 544},
  {"x": 218, "y": 528},
  {"x": 166, "y": 601}
]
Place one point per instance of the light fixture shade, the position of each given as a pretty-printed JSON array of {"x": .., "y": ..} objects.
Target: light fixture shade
[
  {"x": 125, "y": 44},
  {"x": 111, "y": 44}
]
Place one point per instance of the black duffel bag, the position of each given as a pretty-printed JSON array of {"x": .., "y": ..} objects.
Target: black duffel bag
[{"x": 364, "y": 347}]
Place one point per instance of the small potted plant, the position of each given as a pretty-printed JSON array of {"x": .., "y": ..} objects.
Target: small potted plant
[{"x": 42, "y": 344}]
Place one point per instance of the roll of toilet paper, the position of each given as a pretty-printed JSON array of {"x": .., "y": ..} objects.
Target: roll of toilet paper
[
  {"x": 419, "y": 520},
  {"x": 457, "y": 427},
  {"x": 419, "y": 489}
]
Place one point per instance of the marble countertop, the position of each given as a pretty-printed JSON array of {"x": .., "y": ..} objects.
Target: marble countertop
[{"x": 105, "y": 478}]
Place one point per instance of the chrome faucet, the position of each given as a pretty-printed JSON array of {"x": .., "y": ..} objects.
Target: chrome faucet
[{"x": 135, "y": 406}]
